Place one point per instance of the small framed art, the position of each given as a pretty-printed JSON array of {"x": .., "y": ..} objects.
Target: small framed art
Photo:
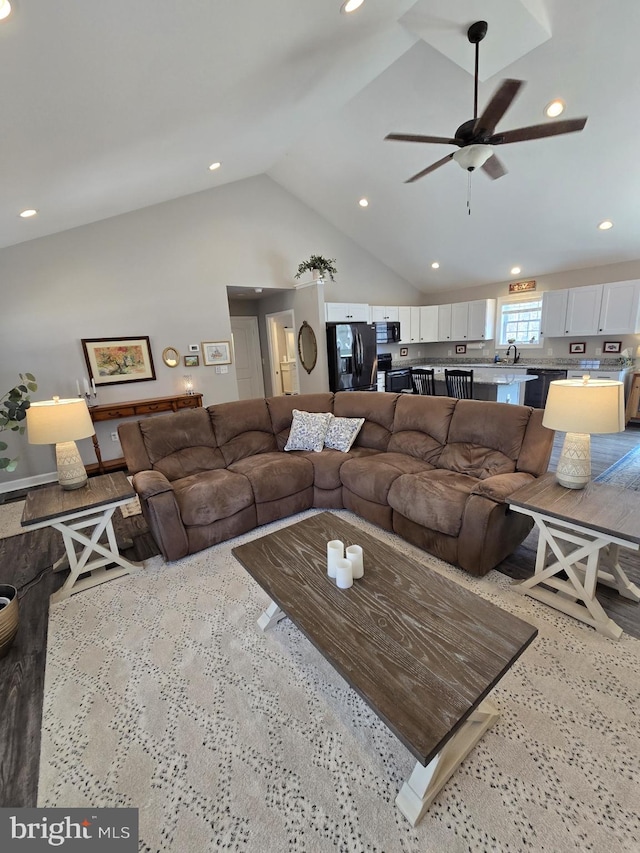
[
  {"x": 113, "y": 361},
  {"x": 461, "y": 349},
  {"x": 612, "y": 346},
  {"x": 404, "y": 351},
  {"x": 191, "y": 360},
  {"x": 577, "y": 348},
  {"x": 216, "y": 352}
]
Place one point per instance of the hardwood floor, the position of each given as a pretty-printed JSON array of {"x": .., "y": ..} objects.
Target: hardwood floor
[{"x": 26, "y": 560}]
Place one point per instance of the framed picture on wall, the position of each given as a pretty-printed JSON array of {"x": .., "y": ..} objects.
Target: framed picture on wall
[
  {"x": 216, "y": 352},
  {"x": 113, "y": 361},
  {"x": 461, "y": 349},
  {"x": 191, "y": 360},
  {"x": 404, "y": 351},
  {"x": 577, "y": 348},
  {"x": 612, "y": 346}
]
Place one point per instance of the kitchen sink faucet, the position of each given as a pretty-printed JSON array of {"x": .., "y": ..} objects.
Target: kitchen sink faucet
[{"x": 516, "y": 356}]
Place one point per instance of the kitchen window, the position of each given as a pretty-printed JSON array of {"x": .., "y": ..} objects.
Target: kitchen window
[{"x": 519, "y": 319}]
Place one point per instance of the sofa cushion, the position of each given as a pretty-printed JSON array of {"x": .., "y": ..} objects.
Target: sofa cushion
[
  {"x": 378, "y": 411},
  {"x": 342, "y": 432},
  {"x": 421, "y": 426},
  {"x": 242, "y": 429},
  {"x": 275, "y": 475},
  {"x": 435, "y": 499},
  {"x": 371, "y": 477},
  {"x": 484, "y": 438},
  {"x": 308, "y": 430},
  {"x": 212, "y": 495},
  {"x": 327, "y": 465},
  {"x": 281, "y": 411},
  {"x": 181, "y": 444}
]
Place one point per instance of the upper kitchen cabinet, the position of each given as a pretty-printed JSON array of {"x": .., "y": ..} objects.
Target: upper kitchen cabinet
[
  {"x": 583, "y": 310},
  {"x": 347, "y": 312},
  {"x": 409, "y": 316},
  {"x": 384, "y": 313},
  {"x": 482, "y": 320},
  {"x": 620, "y": 308},
  {"x": 554, "y": 313},
  {"x": 467, "y": 321},
  {"x": 444, "y": 322},
  {"x": 429, "y": 315}
]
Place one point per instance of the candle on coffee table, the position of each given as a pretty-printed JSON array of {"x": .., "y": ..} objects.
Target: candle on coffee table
[
  {"x": 344, "y": 574},
  {"x": 335, "y": 551},
  {"x": 355, "y": 554}
]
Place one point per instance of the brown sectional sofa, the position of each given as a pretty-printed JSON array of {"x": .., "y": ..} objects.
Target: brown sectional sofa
[{"x": 435, "y": 470}]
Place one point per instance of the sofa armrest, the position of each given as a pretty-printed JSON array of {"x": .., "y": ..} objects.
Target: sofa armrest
[
  {"x": 149, "y": 483},
  {"x": 162, "y": 513},
  {"x": 499, "y": 487}
]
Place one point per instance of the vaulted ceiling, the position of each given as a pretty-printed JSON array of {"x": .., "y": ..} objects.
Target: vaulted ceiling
[{"x": 109, "y": 107}]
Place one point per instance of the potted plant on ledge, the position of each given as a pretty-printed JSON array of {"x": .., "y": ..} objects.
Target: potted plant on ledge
[{"x": 319, "y": 267}]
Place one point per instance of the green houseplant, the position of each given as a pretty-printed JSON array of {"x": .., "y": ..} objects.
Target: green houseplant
[
  {"x": 317, "y": 262},
  {"x": 13, "y": 411}
]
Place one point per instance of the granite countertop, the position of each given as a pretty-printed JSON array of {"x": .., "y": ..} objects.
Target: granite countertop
[{"x": 488, "y": 376}]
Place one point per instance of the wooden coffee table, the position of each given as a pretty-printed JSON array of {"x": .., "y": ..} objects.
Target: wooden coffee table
[{"x": 422, "y": 651}]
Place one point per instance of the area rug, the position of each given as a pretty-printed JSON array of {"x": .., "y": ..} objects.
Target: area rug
[
  {"x": 10, "y": 516},
  {"x": 163, "y": 694},
  {"x": 625, "y": 472}
]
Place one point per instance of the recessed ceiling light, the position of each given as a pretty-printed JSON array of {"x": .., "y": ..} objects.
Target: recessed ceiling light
[
  {"x": 435, "y": 265},
  {"x": 350, "y": 6},
  {"x": 605, "y": 225},
  {"x": 555, "y": 108},
  {"x": 25, "y": 214},
  {"x": 214, "y": 166},
  {"x": 363, "y": 202},
  {"x": 5, "y": 9},
  {"x": 515, "y": 270}
]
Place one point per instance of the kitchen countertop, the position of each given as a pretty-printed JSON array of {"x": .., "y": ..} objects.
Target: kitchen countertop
[{"x": 487, "y": 375}]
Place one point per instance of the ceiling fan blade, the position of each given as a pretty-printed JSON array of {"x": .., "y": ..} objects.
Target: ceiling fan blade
[
  {"x": 497, "y": 106},
  {"x": 413, "y": 137},
  {"x": 494, "y": 168},
  {"x": 539, "y": 131},
  {"x": 430, "y": 168}
]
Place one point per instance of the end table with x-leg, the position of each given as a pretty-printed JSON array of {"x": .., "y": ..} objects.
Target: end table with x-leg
[
  {"x": 583, "y": 529},
  {"x": 71, "y": 512}
]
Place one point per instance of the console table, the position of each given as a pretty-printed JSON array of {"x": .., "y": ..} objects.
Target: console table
[{"x": 133, "y": 408}]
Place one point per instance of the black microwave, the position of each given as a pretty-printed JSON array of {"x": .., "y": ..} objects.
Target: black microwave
[{"x": 388, "y": 333}]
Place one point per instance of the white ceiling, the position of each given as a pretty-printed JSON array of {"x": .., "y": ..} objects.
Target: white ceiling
[{"x": 107, "y": 107}]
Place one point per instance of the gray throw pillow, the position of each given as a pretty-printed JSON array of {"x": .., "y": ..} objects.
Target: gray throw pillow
[
  {"x": 308, "y": 430},
  {"x": 342, "y": 433}
]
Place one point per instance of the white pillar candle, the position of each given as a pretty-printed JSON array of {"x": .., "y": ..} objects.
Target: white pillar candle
[
  {"x": 86, "y": 386},
  {"x": 335, "y": 551},
  {"x": 354, "y": 553},
  {"x": 344, "y": 574},
  {"x": 93, "y": 386},
  {"x": 78, "y": 387}
]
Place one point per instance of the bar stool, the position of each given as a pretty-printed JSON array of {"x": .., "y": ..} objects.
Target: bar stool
[{"x": 459, "y": 383}]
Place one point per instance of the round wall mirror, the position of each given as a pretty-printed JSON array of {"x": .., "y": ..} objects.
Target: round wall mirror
[
  {"x": 307, "y": 347},
  {"x": 171, "y": 356}
]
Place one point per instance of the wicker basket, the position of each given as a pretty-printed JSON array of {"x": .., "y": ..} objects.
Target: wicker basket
[{"x": 8, "y": 617}]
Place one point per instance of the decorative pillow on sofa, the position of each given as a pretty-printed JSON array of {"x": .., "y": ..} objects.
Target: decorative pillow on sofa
[
  {"x": 308, "y": 430},
  {"x": 342, "y": 433}
]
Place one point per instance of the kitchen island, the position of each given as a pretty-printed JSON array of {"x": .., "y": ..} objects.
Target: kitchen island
[{"x": 502, "y": 386}]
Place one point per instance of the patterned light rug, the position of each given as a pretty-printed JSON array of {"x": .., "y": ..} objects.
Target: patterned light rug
[
  {"x": 10, "y": 515},
  {"x": 163, "y": 694},
  {"x": 625, "y": 472}
]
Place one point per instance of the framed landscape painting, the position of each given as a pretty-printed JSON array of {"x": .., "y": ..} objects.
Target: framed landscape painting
[
  {"x": 216, "y": 352},
  {"x": 113, "y": 361}
]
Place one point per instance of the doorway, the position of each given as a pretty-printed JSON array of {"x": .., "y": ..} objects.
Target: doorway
[
  {"x": 283, "y": 360},
  {"x": 248, "y": 359}
]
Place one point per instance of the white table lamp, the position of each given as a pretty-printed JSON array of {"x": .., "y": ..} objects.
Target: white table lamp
[
  {"x": 580, "y": 407},
  {"x": 61, "y": 422}
]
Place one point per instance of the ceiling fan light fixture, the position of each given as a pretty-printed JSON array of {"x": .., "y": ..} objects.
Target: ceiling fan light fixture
[
  {"x": 555, "y": 108},
  {"x": 472, "y": 156}
]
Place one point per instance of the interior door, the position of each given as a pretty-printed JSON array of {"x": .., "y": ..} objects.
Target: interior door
[{"x": 246, "y": 345}]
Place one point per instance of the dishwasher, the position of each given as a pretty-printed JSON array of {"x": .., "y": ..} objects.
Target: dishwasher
[{"x": 536, "y": 390}]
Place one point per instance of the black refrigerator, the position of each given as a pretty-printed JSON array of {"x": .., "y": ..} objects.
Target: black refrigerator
[{"x": 353, "y": 360}]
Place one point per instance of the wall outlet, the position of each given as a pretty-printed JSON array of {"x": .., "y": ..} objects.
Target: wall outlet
[
  {"x": 449, "y": 352},
  {"x": 114, "y": 436},
  {"x": 550, "y": 351},
  {"x": 598, "y": 351},
  {"x": 194, "y": 348}
]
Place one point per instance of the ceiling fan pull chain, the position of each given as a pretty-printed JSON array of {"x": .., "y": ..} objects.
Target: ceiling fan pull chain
[{"x": 469, "y": 193}]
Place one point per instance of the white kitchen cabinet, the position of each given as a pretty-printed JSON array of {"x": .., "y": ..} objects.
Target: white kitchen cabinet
[
  {"x": 459, "y": 321},
  {"x": 384, "y": 313},
  {"x": 444, "y": 322},
  {"x": 554, "y": 313},
  {"x": 409, "y": 317},
  {"x": 482, "y": 320},
  {"x": 583, "y": 310},
  {"x": 429, "y": 315},
  {"x": 620, "y": 308},
  {"x": 347, "y": 312}
]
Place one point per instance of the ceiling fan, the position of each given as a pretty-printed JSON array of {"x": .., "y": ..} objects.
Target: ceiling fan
[{"x": 475, "y": 138}]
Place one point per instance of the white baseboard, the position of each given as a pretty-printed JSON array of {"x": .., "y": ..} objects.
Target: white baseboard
[{"x": 29, "y": 482}]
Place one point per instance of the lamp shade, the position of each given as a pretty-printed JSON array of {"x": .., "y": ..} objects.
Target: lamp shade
[
  {"x": 585, "y": 406},
  {"x": 55, "y": 421}
]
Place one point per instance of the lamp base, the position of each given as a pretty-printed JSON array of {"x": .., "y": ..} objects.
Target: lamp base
[
  {"x": 574, "y": 465},
  {"x": 71, "y": 471}
]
